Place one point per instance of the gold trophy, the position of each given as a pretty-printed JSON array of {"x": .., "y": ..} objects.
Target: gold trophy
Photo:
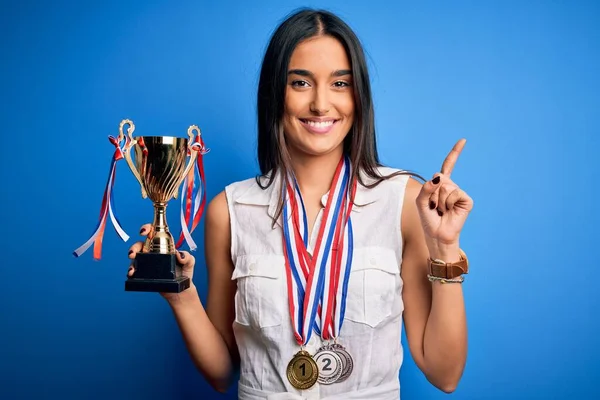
[{"x": 159, "y": 165}]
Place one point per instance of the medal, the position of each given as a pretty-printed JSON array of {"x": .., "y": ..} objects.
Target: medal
[
  {"x": 330, "y": 365},
  {"x": 302, "y": 371},
  {"x": 313, "y": 281},
  {"x": 347, "y": 362}
]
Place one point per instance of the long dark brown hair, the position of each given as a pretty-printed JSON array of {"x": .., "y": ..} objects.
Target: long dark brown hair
[{"x": 360, "y": 143}]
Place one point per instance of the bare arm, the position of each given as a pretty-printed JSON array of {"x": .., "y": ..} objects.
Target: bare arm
[
  {"x": 434, "y": 317},
  {"x": 208, "y": 332}
]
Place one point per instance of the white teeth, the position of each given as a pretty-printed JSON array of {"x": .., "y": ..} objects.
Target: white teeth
[{"x": 324, "y": 124}]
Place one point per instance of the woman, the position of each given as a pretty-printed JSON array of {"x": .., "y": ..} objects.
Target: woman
[{"x": 313, "y": 265}]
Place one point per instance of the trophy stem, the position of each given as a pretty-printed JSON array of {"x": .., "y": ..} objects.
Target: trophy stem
[
  {"x": 160, "y": 241},
  {"x": 156, "y": 268}
]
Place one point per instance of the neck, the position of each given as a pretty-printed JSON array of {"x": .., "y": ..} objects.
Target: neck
[{"x": 315, "y": 173}]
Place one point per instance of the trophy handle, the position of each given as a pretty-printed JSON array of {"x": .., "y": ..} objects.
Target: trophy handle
[
  {"x": 193, "y": 154},
  {"x": 129, "y": 143}
]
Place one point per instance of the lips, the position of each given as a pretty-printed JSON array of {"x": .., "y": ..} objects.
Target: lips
[{"x": 318, "y": 126}]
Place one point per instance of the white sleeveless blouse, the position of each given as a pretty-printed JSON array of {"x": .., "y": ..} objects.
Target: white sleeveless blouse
[{"x": 371, "y": 331}]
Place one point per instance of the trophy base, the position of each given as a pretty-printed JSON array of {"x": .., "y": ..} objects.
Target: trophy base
[
  {"x": 156, "y": 272},
  {"x": 157, "y": 285}
]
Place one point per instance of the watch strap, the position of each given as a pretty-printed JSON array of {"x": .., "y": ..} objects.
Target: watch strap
[{"x": 441, "y": 269}]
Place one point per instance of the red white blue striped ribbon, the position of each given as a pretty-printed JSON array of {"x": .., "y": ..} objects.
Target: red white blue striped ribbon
[
  {"x": 311, "y": 280},
  {"x": 340, "y": 272},
  {"x": 193, "y": 196},
  {"x": 107, "y": 209}
]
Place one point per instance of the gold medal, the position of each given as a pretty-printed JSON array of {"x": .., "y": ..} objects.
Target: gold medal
[{"x": 302, "y": 371}]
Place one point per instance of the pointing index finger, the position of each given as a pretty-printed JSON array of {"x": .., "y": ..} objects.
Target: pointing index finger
[{"x": 450, "y": 160}]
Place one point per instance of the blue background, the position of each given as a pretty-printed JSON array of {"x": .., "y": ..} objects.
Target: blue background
[{"x": 520, "y": 80}]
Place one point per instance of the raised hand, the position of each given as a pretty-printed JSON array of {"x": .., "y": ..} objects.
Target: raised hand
[
  {"x": 443, "y": 206},
  {"x": 184, "y": 258}
]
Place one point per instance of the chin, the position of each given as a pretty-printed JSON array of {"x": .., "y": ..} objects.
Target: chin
[{"x": 310, "y": 148}]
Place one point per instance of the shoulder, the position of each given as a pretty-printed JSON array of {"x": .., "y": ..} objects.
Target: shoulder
[
  {"x": 388, "y": 178},
  {"x": 404, "y": 182},
  {"x": 403, "y": 177},
  {"x": 410, "y": 214},
  {"x": 251, "y": 190},
  {"x": 413, "y": 187},
  {"x": 217, "y": 212},
  {"x": 408, "y": 187},
  {"x": 237, "y": 189},
  {"x": 239, "y": 192}
]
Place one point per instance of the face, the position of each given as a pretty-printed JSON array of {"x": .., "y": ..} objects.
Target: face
[{"x": 319, "y": 100}]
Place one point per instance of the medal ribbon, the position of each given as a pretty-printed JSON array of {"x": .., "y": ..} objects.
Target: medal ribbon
[
  {"x": 193, "y": 196},
  {"x": 340, "y": 271},
  {"x": 307, "y": 277},
  {"x": 107, "y": 208}
]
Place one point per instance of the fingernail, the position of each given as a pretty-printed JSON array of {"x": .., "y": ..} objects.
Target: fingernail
[
  {"x": 130, "y": 252},
  {"x": 181, "y": 255},
  {"x": 432, "y": 204},
  {"x": 142, "y": 230},
  {"x": 440, "y": 213},
  {"x": 436, "y": 180}
]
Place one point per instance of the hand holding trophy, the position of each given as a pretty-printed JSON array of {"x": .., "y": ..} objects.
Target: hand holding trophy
[{"x": 159, "y": 165}]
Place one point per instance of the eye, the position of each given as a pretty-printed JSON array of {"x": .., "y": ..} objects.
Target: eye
[
  {"x": 299, "y": 83},
  {"x": 341, "y": 84}
]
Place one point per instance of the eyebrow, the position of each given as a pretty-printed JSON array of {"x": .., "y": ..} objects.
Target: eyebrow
[{"x": 303, "y": 72}]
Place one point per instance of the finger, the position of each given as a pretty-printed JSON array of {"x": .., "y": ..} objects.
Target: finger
[
  {"x": 458, "y": 198},
  {"x": 425, "y": 196},
  {"x": 434, "y": 199},
  {"x": 452, "y": 157},
  {"x": 186, "y": 260},
  {"x": 134, "y": 249},
  {"x": 443, "y": 195},
  {"x": 444, "y": 192},
  {"x": 146, "y": 229},
  {"x": 137, "y": 246}
]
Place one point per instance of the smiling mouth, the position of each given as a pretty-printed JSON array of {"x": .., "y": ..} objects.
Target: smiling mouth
[{"x": 318, "y": 126}]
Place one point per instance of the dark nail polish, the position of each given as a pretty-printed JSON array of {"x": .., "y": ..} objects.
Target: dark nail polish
[
  {"x": 181, "y": 255},
  {"x": 142, "y": 230},
  {"x": 432, "y": 204},
  {"x": 130, "y": 252},
  {"x": 440, "y": 213},
  {"x": 436, "y": 180}
]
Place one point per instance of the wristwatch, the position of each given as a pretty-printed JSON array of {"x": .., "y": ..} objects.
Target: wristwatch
[{"x": 441, "y": 269}]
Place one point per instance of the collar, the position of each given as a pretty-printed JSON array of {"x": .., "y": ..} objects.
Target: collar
[{"x": 269, "y": 197}]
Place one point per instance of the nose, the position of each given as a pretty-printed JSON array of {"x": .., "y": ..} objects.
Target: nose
[{"x": 320, "y": 102}]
